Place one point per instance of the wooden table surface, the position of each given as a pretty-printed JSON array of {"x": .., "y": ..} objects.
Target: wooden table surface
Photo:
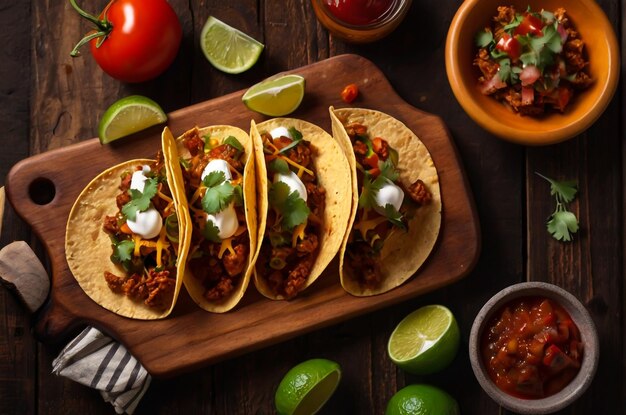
[{"x": 49, "y": 100}]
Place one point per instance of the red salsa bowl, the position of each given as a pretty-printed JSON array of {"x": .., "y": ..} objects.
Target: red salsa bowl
[{"x": 534, "y": 348}]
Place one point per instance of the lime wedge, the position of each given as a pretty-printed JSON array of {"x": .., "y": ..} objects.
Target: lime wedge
[
  {"x": 425, "y": 341},
  {"x": 275, "y": 96},
  {"x": 129, "y": 115},
  {"x": 422, "y": 400},
  {"x": 227, "y": 48},
  {"x": 307, "y": 387}
]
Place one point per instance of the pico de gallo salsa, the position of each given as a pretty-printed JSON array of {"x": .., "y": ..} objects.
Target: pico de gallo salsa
[
  {"x": 532, "y": 348},
  {"x": 532, "y": 61}
]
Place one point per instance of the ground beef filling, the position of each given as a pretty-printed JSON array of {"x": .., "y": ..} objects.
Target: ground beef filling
[
  {"x": 156, "y": 287},
  {"x": 363, "y": 251},
  {"x": 219, "y": 275},
  {"x": 286, "y": 267}
]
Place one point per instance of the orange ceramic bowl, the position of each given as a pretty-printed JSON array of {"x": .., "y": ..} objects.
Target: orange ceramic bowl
[{"x": 497, "y": 118}]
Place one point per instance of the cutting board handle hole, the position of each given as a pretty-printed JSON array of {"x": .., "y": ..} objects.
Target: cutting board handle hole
[{"x": 41, "y": 191}]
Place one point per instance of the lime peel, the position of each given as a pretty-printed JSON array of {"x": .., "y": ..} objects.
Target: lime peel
[
  {"x": 307, "y": 387},
  {"x": 129, "y": 115},
  {"x": 425, "y": 341},
  {"x": 276, "y": 96},
  {"x": 228, "y": 49}
]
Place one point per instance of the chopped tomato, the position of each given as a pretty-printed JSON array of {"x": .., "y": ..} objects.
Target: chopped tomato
[
  {"x": 377, "y": 144},
  {"x": 564, "y": 96},
  {"x": 529, "y": 75},
  {"x": 349, "y": 93},
  {"x": 531, "y": 24},
  {"x": 510, "y": 46},
  {"x": 126, "y": 229},
  {"x": 371, "y": 161}
]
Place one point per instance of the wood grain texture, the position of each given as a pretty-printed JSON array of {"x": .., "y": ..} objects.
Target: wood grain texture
[
  {"x": 257, "y": 322},
  {"x": 512, "y": 205}
]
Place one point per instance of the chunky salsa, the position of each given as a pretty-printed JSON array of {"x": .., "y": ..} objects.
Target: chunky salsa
[
  {"x": 144, "y": 238},
  {"x": 294, "y": 222},
  {"x": 532, "y": 61},
  {"x": 382, "y": 205},
  {"x": 213, "y": 178},
  {"x": 532, "y": 348}
]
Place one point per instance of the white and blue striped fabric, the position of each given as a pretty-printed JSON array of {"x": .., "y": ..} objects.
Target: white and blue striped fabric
[{"x": 96, "y": 360}]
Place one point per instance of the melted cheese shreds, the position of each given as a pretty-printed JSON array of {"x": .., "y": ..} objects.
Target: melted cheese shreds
[
  {"x": 298, "y": 233},
  {"x": 227, "y": 245}
]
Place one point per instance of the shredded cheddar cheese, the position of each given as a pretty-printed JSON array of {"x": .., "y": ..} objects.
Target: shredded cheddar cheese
[
  {"x": 366, "y": 225},
  {"x": 227, "y": 245},
  {"x": 298, "y": 233}
]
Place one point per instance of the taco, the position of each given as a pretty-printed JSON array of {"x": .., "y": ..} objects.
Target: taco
[
  {"x": 218, "y": 175},
  {"x": 126, "y": 238},
  {"x": 396, "y": 209},
  {"x": 303, "y": 182}
]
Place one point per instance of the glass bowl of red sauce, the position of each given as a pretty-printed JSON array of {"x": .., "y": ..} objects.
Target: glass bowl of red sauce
[
  {"x": 534, "y": 348},
  {"x": 360, "y": 21}
]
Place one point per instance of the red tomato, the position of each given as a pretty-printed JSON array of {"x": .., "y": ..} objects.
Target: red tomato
[
  {"x": 140, "y": 38},
  {"x": 349, "y": 93},
  {"x": 510, "y": 46},
  {"x": 530, "y": 24}
]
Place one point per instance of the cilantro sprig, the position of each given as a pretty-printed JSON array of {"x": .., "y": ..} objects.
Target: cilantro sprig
[
  {"x": 140, "y": 201},
  {"x": 219, "y": 194},
  {"x": 562, "y": 223},
  {"x": 296, "y": 136},
  {"x": 291, "y": 207},
  {"x": 370, "y": 189},
  {"x": 211, "y": 232}
]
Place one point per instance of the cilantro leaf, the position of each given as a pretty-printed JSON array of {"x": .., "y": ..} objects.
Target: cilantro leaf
[
  {"x": 217, "y": 198},
  {"x": 388, "y": 170},
  {"x": 565, "y": 191},
  {"x": 290, "y": 206},
  {"x": 369, "y": 190},
  {"x": 140, "y": 201},
  {"x": 233, "y": 142},
  {"x": 211, "y": 232},
  {"x": 483, "y": 38},
  {"x": 394, "y": 216},
  {"x": 279, "y": 165},
  {"x": 561, "y": 224},
  {"x": 295, "y": 134},
  {"x": 213, "y": 179},
  {"x": 122, "y": 251}
]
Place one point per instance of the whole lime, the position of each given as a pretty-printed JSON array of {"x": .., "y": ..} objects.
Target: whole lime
[{"x": 422, "y": 400}]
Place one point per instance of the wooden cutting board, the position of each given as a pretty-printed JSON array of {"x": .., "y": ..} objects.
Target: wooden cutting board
[{"x": 43, "y": 188}]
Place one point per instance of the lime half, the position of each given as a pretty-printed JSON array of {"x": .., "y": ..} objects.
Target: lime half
[
  {"x": 227, "y": 48},
  {"x": 422, "y": 400},
  {"x": 129, "y": 115},
  {"x": 307, "y": 387},
  {"x": 425, "y": 341},
  {"x": 276, "y": 96}
]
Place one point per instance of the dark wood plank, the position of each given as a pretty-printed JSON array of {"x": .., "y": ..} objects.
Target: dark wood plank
[{"x": 17, "y": 346}]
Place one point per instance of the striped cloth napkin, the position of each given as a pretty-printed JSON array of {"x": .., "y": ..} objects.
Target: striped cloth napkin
[{"x": 96, "y": 360}]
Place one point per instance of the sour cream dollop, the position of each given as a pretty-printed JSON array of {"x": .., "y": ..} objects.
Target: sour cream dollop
[
  {"x": 391, "y": 194},
  {"x": 148, "y": 223},
  {"x": 280, "y": 132},
  {"x": 293, "y": 182},
  {"x": 226, "y": 220}
]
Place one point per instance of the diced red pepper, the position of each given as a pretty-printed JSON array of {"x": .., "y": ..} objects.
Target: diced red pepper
[
  {"x": 510, "y": 46},
  {"x": 349, "y": 93},
  {"x": 371, "y": 161},
  {"x": 531, "y": 24},
  {"x": 377, "y": 144}
]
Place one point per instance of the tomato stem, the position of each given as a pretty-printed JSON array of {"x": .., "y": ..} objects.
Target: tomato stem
[{"x": 103, "y": 26}]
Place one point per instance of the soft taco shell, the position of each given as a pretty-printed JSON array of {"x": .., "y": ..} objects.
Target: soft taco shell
[
  {"x": 88, "y": 247},
  {"x": 403, "y": 252},
  {"x": 194, "y": 285},
  {"x": 333, "y": 173}
]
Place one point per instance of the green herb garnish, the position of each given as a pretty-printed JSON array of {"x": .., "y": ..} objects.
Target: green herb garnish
[
  {"x": 140, "y": 201},
  {"x": 219, "y": 192},
  {"x": 233, "y": 142},
  {"x": 562, "y": 223},
  {"x": 290, "y": 206},
  {"x": 296, "y": 136},
  {"x": 211, "y": 232},
  {"x": 279, "y": 165}
]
